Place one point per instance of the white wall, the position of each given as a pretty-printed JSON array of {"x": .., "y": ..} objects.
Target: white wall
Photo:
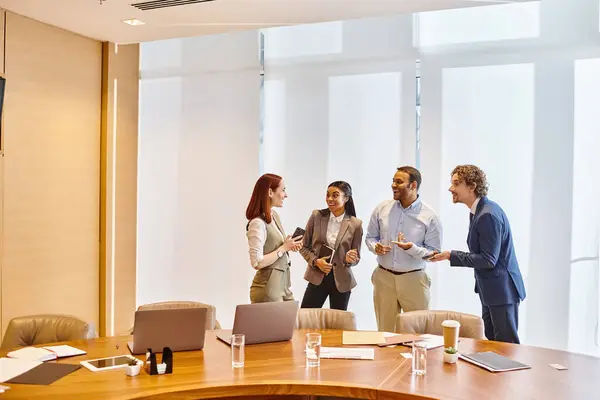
[{"x": 198, "y": 161}]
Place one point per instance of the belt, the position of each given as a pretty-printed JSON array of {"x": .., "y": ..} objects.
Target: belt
[{"x": 398, "y": 272}]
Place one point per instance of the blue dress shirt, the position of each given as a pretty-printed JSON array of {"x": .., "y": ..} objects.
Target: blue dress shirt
[{"x": 417, "y": 222}]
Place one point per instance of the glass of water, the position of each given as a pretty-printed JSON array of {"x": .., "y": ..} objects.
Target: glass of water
[
  {"x": 313, "y": 349},
  {"x": 237, "y": 350},
  {"x": 419, "y": 360}
]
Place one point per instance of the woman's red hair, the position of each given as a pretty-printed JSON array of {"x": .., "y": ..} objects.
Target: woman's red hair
[{"x": 260, "y": 202}]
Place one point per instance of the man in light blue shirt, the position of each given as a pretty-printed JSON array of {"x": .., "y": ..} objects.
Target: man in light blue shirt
[{"x": 402, "y": 232}]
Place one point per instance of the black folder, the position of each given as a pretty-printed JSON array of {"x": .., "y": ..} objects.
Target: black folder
[
  {"x": 45, "y": 374},
  {"x": 493, "y": 362}
]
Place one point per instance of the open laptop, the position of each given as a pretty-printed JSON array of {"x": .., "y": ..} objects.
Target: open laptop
[
  {"x": 263, "y": 322},
  {"x": 179, "y": 329}
]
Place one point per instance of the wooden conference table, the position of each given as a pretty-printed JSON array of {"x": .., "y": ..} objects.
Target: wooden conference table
[{"x": 277, "y": 370}]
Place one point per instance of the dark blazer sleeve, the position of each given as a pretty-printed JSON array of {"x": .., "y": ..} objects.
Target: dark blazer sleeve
[
  {"x": 307, "y": 251},
  {"x": 489, "y": 234},
  {"x": 357, "y": 241}
]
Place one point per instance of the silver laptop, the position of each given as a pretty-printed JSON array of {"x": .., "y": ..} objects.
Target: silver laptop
[
  {"x": 263, "y": 322},
  {"x": 179, "y": 329}
]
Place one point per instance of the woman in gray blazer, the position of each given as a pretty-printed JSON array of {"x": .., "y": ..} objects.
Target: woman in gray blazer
[{"x": 338, "y": 228}]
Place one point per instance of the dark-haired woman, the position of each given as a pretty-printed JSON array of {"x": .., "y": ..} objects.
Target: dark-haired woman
[
  {"x": 338, "y": 228},
  {"x": 268, "y": 245}
]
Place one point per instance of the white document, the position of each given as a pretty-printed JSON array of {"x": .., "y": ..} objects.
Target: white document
[
  {"x": 11, "y": 367},
  {"x": 45, "y": 353},
  {"x": 351, "y": 353},
  {"x": 430, "y": 341}
]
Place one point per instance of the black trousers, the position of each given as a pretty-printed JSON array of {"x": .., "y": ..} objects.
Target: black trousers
[{"x": 315, "y": 296}]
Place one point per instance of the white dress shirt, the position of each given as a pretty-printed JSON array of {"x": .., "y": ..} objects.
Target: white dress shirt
[
  {"x": 474, "y": 205},
  {"x": 257, "y": 236},
  {"x": 333, "y": 228}
]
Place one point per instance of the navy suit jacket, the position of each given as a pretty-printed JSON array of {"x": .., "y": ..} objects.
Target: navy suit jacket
[{"x": 491, "y": 254}]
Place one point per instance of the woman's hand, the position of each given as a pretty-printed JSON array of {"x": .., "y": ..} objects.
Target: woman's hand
[
  {"x": 323, "y": 265},
  {"x": 352, "y": 256},
  {"x": 294, "y": 244}
]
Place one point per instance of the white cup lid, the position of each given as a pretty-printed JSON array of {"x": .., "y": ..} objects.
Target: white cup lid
[{"x": 450, "y": 323}]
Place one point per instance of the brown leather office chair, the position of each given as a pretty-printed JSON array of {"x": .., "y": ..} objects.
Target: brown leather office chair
[
  {"x": 324, "y": 318},
  {"x": 428, "y": 321},
  {"x": 45, "y": 328},
  {"x": 211, "y": 314}
]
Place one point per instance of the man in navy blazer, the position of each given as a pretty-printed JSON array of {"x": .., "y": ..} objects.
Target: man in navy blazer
[{"x": 491, "y": 254}]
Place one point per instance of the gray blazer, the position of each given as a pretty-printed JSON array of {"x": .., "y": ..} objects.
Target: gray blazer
[{"x": 349, "y": 237}]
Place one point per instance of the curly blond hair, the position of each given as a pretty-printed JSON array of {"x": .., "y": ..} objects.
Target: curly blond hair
[{"x": 472, "y": 175}]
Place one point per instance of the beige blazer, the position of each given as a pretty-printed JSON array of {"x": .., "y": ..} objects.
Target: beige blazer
[{"x": 349, "y": 237}]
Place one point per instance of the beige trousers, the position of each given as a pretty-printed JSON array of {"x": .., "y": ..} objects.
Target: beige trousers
[
  {"x": 271, "y": 285},
  {"x": 395, "y": 293}
]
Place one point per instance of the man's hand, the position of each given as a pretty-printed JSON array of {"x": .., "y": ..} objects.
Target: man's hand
[
  {"x": 402, "y": 242},
  {"x": 323, "y": 265},
  {"x": 382, "y": 250},
  {"x": 443, "y": 256}
]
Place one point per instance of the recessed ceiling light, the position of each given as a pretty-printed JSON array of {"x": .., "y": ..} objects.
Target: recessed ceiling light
[{"x": 133, "y": 22}]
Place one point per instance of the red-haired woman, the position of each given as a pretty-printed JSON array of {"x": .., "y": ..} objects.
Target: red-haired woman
[{"x": 267, "y": 242}]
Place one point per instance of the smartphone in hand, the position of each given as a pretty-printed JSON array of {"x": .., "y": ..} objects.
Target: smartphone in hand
[
  {"x": 430, "y": 256},
  {"x": 298, "y": 232}
]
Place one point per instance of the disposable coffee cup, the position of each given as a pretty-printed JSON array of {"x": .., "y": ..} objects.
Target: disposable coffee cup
[{"x": 451, "y": 330}]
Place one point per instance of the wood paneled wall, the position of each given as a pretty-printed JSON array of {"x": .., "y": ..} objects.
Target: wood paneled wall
[
  {"x": 51, "y": 171},
  {"x": 56, "y": 175},
  {"x": 120, "y": 93}
]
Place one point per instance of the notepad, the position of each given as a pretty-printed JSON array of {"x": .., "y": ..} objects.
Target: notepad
[
  {"x": 493, "y": 362},
  {"x": 350, "y": 353},
  {"x": 45, "y": 353}
]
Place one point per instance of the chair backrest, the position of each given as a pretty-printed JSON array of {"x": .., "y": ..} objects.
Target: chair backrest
[
  {"x": 427, "y": 321},
  {"x": 45, "y": 328},
  {"x": 324, "y": 318},
  {"x": 211, "y": 313}
]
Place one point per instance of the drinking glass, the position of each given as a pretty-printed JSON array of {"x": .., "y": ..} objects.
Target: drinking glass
[
  {"x": 419, "y": 360},
  {"x": 313, "y": 349},
  {"x": 237, "y": 350}
]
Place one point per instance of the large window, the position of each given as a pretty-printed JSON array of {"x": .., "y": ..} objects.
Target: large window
[{"x": 513, "y": 88}]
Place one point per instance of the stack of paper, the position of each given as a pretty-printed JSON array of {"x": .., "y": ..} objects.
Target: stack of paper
[
  {"x": 375, "y": 338},
  {"x": 430, "y": 341},
  {"x": 351, "y": 353},
  {"x": 45, "y": 353}
]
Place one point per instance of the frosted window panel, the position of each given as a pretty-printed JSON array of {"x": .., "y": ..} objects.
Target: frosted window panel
[
  {"x": 198, "y": 161},
  {"x": 583, "y": 308},
  {"x": 274, "y": 132},
  {"x": 364, "y": 150},
  {"x": 304, "y": 40},
  {"x": 586, "y": 168},
  {"x": 585, "y": 245},
  {"x": 487, "y": 120},
  {"x": 158, "y": 165},
  {"x": 161, "y": 55},
  {"x": 478, "y": 24}
]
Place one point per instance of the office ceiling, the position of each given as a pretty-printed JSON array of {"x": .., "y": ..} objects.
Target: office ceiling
[{"x": 102, "y": 19}]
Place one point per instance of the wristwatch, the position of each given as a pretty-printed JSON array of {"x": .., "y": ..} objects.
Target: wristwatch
[{"x": 279, "y": 253}]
